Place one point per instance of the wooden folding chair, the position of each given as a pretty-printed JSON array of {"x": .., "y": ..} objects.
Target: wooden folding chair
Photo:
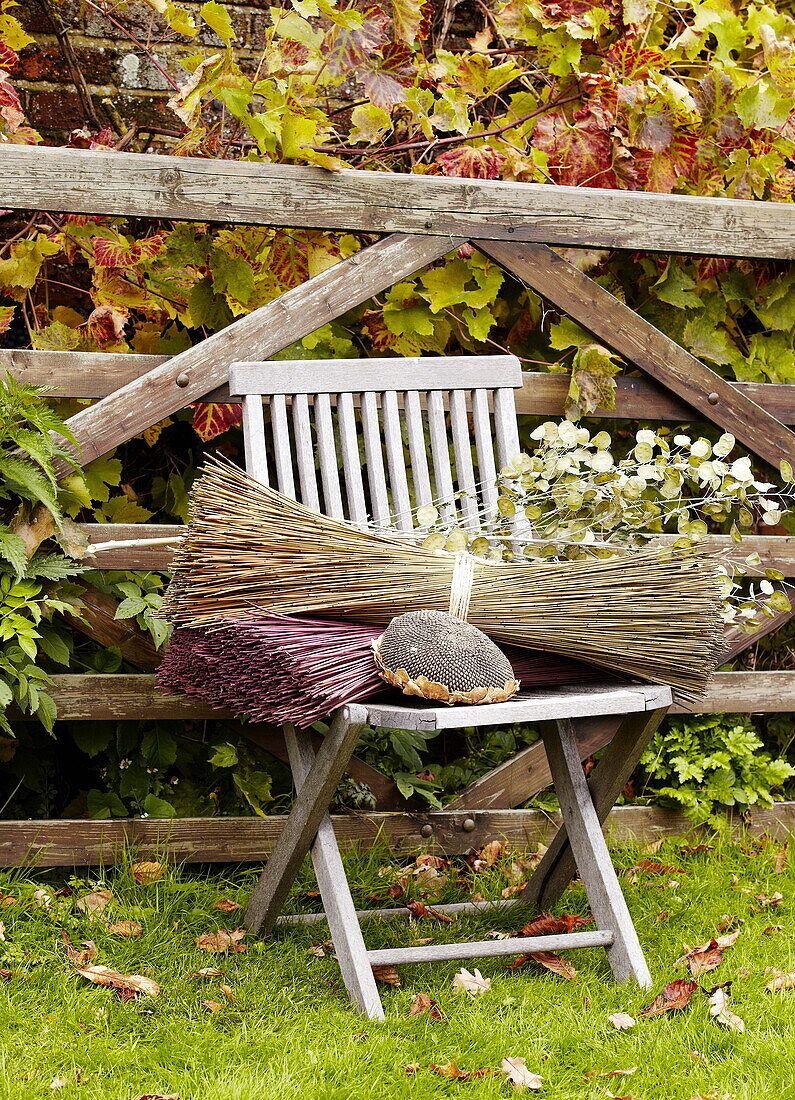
[{"x": 387, "y": 411}]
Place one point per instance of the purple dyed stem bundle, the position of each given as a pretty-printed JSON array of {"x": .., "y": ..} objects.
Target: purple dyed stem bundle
[{"x": 283, "y": 668}]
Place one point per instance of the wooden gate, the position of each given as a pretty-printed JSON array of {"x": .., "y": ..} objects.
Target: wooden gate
[{"x": 421, "y": 218}]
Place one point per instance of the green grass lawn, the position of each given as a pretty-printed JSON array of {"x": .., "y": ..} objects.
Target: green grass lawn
[{"x": 289, "y": 1031}]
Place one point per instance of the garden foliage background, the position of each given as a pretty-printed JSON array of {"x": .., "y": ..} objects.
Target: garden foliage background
[{"x": 678, "y": 97}]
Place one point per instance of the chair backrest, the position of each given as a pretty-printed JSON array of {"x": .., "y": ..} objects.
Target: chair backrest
[{"x": 377, "y": 431}]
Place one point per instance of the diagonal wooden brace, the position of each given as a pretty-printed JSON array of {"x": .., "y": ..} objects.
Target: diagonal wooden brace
[
  {"x": 629, "y": 334},
  {"x": 558, "y": 867},
  {"x": 589, "y": 849},
  {"x": 312, "y": 802}
]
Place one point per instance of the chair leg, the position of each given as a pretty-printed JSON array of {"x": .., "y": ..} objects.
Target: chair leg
[
  {"x": 592, "y": 857},
  {"x": 343, "y": 921},
  {"x": 557, "y": 868},
  {"x": 311, "y": 803}
]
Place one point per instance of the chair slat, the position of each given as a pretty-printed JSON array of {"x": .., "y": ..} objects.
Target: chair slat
[
  {"x": 304, "y": 452},
  {"x": 396, "y": 460},
  {"x": 280, "y": 430},
  {"x": 418, "y": 454},
  {"x": 462, "y": 448},
  {"x": 327, "y": 453},
  {"x": 440, "y": 454},
  {"x": 254, "y": 438},
  {"x": 376, "y": 475},
  {"x": 505, "y": 425},
  {"x": 484, "y": 444},
  {"x": 351, "y": 463}
]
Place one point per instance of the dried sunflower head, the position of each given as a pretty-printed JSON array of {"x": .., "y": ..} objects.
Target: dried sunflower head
[{"x": 436, "y": 656}]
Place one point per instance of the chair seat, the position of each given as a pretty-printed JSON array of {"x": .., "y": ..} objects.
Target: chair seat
[{"x": 587, "y": 700}]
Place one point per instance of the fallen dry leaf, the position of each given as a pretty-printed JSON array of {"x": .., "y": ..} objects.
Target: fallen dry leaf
[
  {"x": 552, "y": 962},
  {"x": 5, "y": 974},
  {"x": 221, "y": 941},
  {"x": 709, "y": 956},
  {"x": 226, "y": 905},
  {"x": 43, "y": 898},
  {"x": 674, "y": 997},
  {"x": 58, "y": 1083},
  {"x": 131, "y": 983},
  {"x": 453, "y": 1073},
  {"x": 649, "y": 867},
  {"x": 519, "y": 1075},
  {"x": 772, "y": 929},
  {"x": 387, "y": 974},
  {"x": 413, "y": 1067},
  {"x": 82, "y": 955},
  {"x": 206, "y": 972},
  {"x": 422, "y": 942},
  {"x": 780, "y": 858},
  {"x": 418, "y": 909},
  {"x": 781, "y": 981},
  {"x": 720, "y": 1011},
  {"x": 547, "y": 925},
  {"x": 473, "y": 983},
  {"x": 622, "y": 1021},
  {"x": 94, "y": 904},
  {"x": 212, "y": 1006},
  {"x": 653, "y": 848},
  {"x": 227, "y": 992},
  {"x": 423, "y": 1004},
  {"x": 158, "y": 1096},
  {"x": 492, "y": 852},
  {"x": 129, "y": 928},
  {"x": 728, "y": 923},
  {"x": 147, "y": 872},
  {"x": 770, "y": 902}
]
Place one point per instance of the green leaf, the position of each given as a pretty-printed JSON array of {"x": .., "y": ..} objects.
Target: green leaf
[
  {"x": 159, "y": 748},
  {"x": 92, "y": 738},
  {"x": 158, "y": 807},
  {"x": 12, "y": 550},
  {"x": 130, "y": 607},
  {"x": 55, "y": 645},
  {"x": 105, "y": 804},
  {"x": 224, "y": 756},
  {"x": 216, "y": 16}
]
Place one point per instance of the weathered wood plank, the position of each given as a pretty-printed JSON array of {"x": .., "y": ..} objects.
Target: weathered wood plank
[
  {"x": 315, "y": 789},
  {"x": 95, "y": 374},
  {"x": 484, "y": 949},
  {"x": 527, "y": 773},
  {"x": 106, "y": 182},
  {"x": 627, "y": 333},
  {"x": 269, "y": 329},
  {"x": 81, "y": 843},
  {"x": 583, "y": 831},
  {"x": 136, "y": 698},
  {"x": 98, "y": 623}
]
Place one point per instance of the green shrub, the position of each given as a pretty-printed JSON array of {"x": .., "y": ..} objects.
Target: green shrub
[{"x": 708, "y": 762}]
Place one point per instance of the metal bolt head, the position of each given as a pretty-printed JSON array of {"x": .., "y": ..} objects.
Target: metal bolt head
[
  {"x": 713, "y": 398},
  {"x": 426, "y": 831},
  {"x": 468, "y": 824},
  {"x": 182, "y": 379}
]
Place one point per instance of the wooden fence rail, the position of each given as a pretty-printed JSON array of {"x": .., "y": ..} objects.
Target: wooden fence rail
[
  {"x": 79, "y": 843},
  {"x": 143, "y": 186}
]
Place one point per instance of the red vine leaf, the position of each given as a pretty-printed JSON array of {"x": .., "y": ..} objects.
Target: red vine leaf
[
  {"x": 350, "y": 44},
  {"x": 481, "y": 163},
  {"x": 386, "y": 75},
  {"x": 581, "y": 151},
  {"x": 211, "y": 418}
]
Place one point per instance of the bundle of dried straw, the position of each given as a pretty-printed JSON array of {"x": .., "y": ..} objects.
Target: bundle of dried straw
[
  {"x": 654, "y": 614},
  {"x": 283, "y": 668}
]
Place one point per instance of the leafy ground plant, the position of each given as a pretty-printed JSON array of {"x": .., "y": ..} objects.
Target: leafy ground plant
[{"x": 139, "y": 982}]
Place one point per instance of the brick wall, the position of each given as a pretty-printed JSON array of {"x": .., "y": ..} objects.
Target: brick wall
[
  {"x": 115, "y": 68},
  {"x": 111, "y": 63}
]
